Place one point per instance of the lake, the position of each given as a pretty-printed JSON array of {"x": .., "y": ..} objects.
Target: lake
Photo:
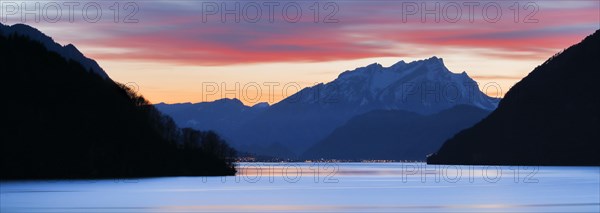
[{"x": 323, "y": 187}]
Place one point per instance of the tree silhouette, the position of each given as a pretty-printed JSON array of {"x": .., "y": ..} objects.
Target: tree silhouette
[{"x": 64, "y": 121}]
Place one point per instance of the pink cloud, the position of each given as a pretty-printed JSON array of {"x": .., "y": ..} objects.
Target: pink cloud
[{"x": 176, "y": 34}]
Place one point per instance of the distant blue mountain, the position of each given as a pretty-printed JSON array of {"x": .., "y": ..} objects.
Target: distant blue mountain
[
  {"x": 308, "y": 116},
  {"x": 223, "y": 116},
  {"x": 301, "y": 120},
  {"x": 69, "y": 51},
  {"x": 394, "y": 134}
]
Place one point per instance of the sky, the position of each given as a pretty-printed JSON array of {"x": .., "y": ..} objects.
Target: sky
[{"x": 177, "y": 51}]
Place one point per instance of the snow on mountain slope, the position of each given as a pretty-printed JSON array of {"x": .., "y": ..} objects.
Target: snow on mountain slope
[{"x": 423, "y": 87}]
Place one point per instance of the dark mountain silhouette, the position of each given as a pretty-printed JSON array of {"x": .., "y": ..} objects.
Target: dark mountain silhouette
[
  {"x": 65, "y": 121},
  {"x": 551, "y": 117},
  {"x": 394, "y": 134},
  {"x": 69, "y": 51}
]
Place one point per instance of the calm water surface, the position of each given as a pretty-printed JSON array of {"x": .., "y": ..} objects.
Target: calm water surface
[{"x": 323, "y": 187}]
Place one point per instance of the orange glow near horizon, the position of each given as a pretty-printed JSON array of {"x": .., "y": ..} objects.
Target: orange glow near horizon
[{"x": 298, "y": 76}]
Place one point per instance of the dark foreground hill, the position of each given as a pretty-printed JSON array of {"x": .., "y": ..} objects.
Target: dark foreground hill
[
  {"x": 63, "y": 121},
  {"x": 551, "y": 117}
]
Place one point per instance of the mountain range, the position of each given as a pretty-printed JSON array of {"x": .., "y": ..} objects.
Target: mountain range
[{"x": 295, "y": 124}]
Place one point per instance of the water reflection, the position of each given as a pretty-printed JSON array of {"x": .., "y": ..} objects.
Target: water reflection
[{"x": 310, "y": 187}]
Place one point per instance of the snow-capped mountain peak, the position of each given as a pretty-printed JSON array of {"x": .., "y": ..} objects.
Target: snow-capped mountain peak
[{"x": 423, "y": 86}]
